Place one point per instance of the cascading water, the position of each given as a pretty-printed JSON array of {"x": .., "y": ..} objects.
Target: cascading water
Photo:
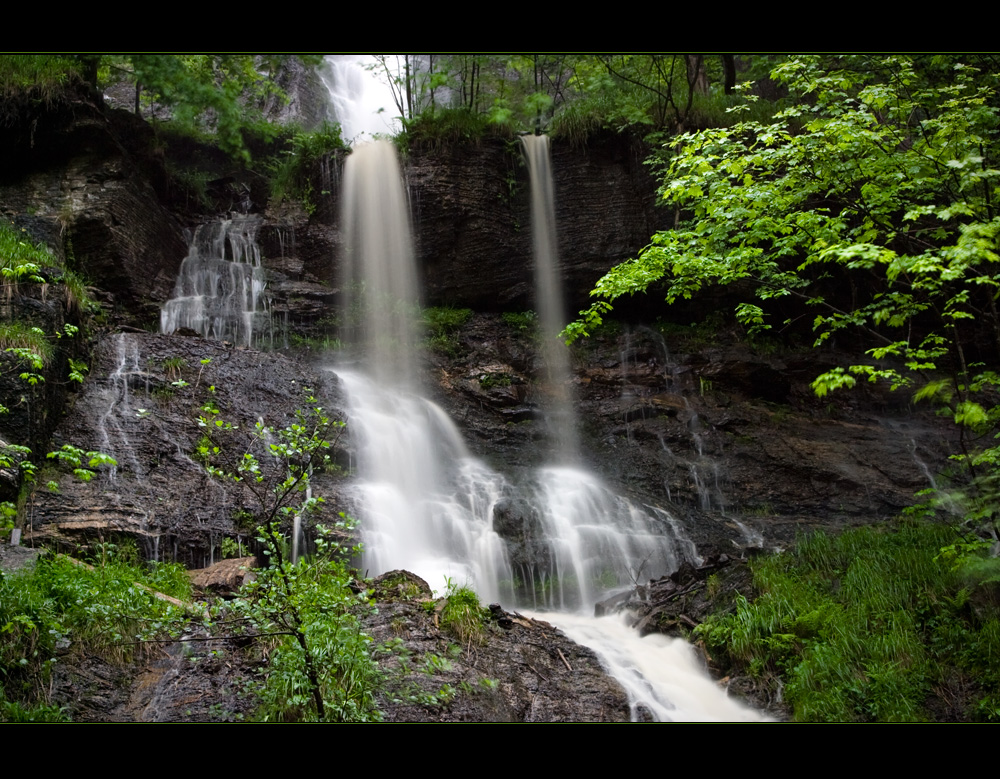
[
  {"x": 220, "y": 289},
  {"x": 560, "y": 416},
  {"x": 360, "y": 102},
  {"x": 113, "y": 426},
  {"x": 425, "y": 503}
]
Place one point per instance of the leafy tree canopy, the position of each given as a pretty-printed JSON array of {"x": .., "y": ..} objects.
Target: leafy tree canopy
[
  {"x": 881, "y": 177},
  {"x": 568, "y": 94},
  {"x": 217, "y": 93}
]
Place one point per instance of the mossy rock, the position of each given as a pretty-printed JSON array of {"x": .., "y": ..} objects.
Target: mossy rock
[{"x": 400, "y": 586}]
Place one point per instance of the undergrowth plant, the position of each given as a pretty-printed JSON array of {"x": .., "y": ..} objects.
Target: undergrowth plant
[
  {"x": 106, "y": 609},
  {"x": 28, "y": 350},
  {"x": 869, "y": 626},
  {"x": 441, "y": 324},
  {"x": 463, "y": 615},
  {"x": 319, "y": 666},
  {"x": 306, "y": 154}
]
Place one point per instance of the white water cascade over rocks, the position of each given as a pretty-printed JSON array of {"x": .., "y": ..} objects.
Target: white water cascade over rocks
[
  {"x": 558, "y": 539},
  {"x": 220, "y": 291}
]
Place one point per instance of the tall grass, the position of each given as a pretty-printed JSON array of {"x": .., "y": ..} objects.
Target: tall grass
[
  {"x": 27, "y": 342},
  {"x": 37, "y": 75},
  {"x": 861, "y": 627},
  {"x": 103, "y": 610}
]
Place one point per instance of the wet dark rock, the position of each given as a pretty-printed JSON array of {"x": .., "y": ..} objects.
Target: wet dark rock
[
  {"x": 525, "y": 670},
  {"x": 735, "y": 468},
  {"x": 400, "y": 585},
  {"x": 517, "y": 522},
  {"x": 14, "y": 559},
  {"x": 142, "y": 408},
  {"x": 472, "y": 217},
  {"x": 87, "y": 184}
]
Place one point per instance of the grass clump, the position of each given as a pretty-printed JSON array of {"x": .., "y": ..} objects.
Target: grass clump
[
  {"x": 464, "y": 616},
  {"x": 441, "y": 320},
  {"x": 870, "y": 626},
  {"x": 40, "y": 76},
  {"x": 27, "y": 343}
]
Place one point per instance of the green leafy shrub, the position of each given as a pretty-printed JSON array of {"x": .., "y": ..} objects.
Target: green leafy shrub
[
  {"x": 292, "y": 172},
  {"x": 321, "y": 669},
  {"x": 319, "y": 665}
]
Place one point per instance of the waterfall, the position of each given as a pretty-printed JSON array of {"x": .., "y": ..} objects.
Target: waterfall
[
  {"x": 359, "y": 101},
  {"x": 220, "y": 289},
  {"x": 382, "y": 304},
  {"x": 119, "y": 417},
  {"x": 560, "y": 539},
  {"x": 426, "y": 504},
  {"x": 558, "y": 394}
]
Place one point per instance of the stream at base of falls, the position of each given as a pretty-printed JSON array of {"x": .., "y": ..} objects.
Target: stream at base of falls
[{"x": 663, "y": 677}]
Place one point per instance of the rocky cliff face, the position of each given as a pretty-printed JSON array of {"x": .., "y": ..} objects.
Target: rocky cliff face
[
  {"x": 472, "y": 218},
  {"x": 86, "y": 182}
]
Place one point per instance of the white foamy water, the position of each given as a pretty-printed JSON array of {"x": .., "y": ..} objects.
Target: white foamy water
[{"x": 662, "y": 675}]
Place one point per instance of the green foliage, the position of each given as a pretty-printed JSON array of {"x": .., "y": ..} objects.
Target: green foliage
[
  {"x": 463, "y": 615},
  {"x": 21, "y": 261},
  {"x": 448, "y": 127},
  {"x": 460, "y": 98},
  {"x": 173, "y": 366},
  {"x": 28, "y": 344},
  {"x": 860, "y": 187},
  {"x": 445, "y": 319},
  {"x": 653, "y": 92},
  {"x": 861, "y": 627},
  {"x": 522, "y": 321},
  {"x": 83, "y": 464},
  {"x": 292, "y": 172},
  {"x": 107, "y": 610},
  {"x": 12, "y": 711},
  {"x": 321, "y": 668},
  {"x": 881, "y": 176},
  {"x": 441, "y": 324},
  {"x": 217, "y": 96},
  {"x": 78, "y": 298},
  {"x": 218, "y": 93},
  {"x": 41, "y": 76},
  {"x": 490, "y": 380}
]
